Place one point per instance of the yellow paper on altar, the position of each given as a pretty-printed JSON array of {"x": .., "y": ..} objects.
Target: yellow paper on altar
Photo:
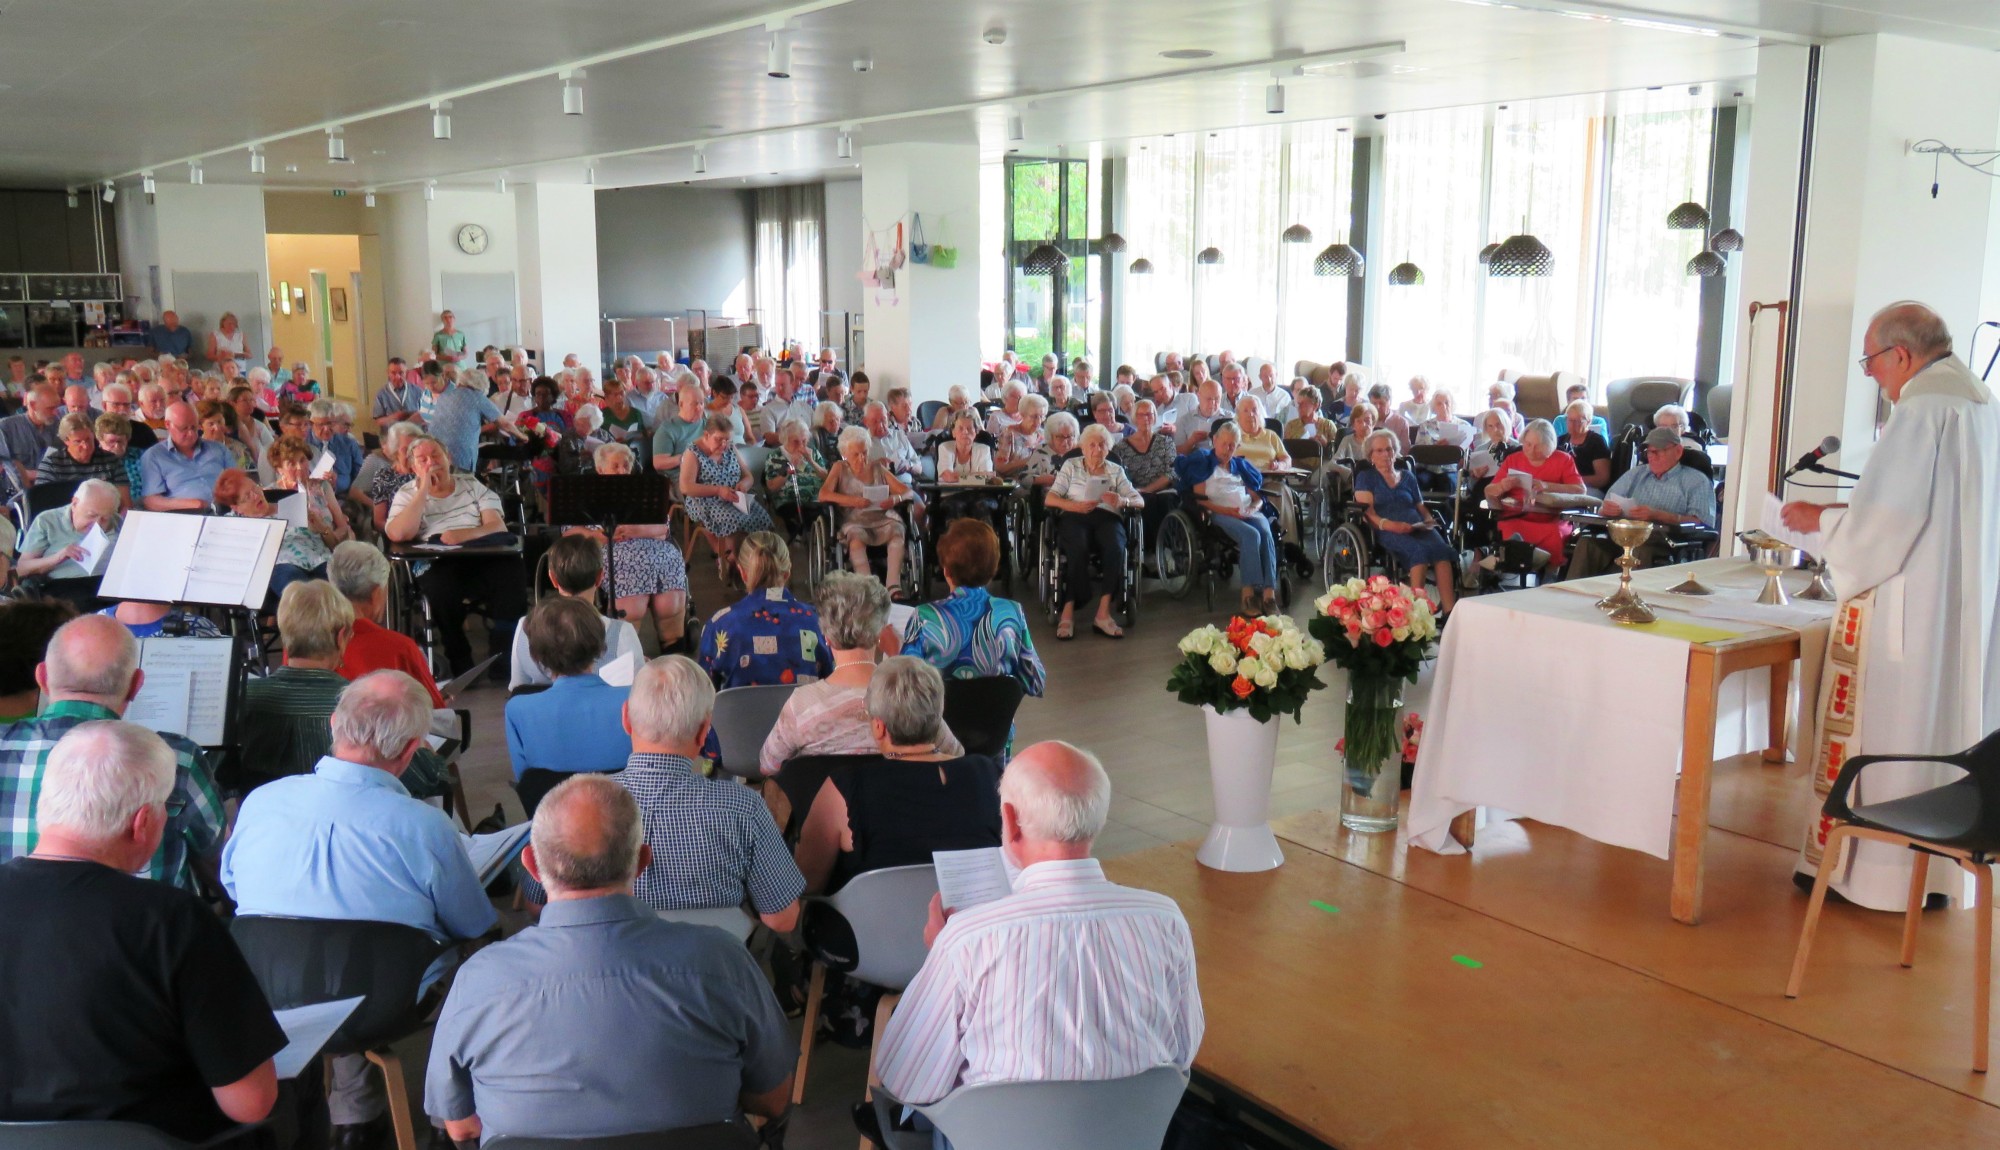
[{"x": 1691, "y": 632}]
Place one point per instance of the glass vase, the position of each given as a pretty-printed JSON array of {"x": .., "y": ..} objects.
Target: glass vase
[{"x": 1373, "y": 753}]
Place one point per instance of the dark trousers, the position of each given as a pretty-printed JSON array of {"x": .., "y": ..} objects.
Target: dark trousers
[
  {"x": 1596, "y": 555},
  {"x": 1101, "y": 533},
  {"x": 500, "y": 582}
]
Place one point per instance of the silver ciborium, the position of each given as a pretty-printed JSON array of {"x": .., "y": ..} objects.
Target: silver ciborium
[
  {"x": 1624, "y": 604},
  {"x": 1821, "y": 590},
  {"x": 1774, "y": 559}
]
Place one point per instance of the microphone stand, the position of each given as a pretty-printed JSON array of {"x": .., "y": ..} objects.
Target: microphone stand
[{"x": 1821, "y": 589}]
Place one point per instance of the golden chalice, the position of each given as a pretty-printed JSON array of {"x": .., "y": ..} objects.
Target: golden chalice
[{"x": 1624, "y": 604}]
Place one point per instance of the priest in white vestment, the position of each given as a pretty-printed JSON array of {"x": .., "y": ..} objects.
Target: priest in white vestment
[{"x": 1915, "y": 558}]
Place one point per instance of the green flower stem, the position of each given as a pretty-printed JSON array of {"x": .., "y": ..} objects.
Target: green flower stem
[{"x": 1373, "y": 740}]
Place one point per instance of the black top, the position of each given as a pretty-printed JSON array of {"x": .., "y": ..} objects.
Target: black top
[
  {"x": 126, "y": 1001},
  {"x": 900, "y": 811},
  {"x": 1587, "y": 453}
]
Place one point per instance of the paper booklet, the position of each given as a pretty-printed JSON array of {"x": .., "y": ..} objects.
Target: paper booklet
[
  {"x": 307, "y": 1030},
  {"x": 490, "y": 853},
  {"x": 165, "y": 557},
  {"x": 96, "y": 546},
  {"x": 621, "y": 671},
  {"x": 290, "y": 506},
  {"x": 450, "y": 688},
  {"x": 876, "y": 496},
  {"x": 323, "y": 466},
  {"x": 186, "y": 687},
  {"x": 968, "y": 878},
  {"x": 1774, "y": 526}
]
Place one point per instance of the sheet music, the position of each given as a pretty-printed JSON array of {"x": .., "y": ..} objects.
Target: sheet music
[
  {"x": 490, "y": 853},
  {"x": 876, "y": 496},
  {"x": 323, "y": 466},
  {"x": 159, "y": 575},
  {"x": 225, "y": 560},
  {"x": 968, "y": 878},
  {"x": 206, "y": 665},
  {"x": 292, "y": 508},
  {"x": 621, "y": 671},
  {"x": 162, "y": 703}
]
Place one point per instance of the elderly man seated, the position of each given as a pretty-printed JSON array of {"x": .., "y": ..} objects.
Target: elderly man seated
[
  {"x": 127, "y": 1001},
  {"x": 1070, "y": 978},
  {"x": 605, "y": 1019},
  {"x": 52, "y": 550},
  {"x": 348, "y": 841},
  {"x": 1663, "y": 492}
]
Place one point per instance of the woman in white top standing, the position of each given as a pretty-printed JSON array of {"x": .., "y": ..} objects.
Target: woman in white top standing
[
  {"x": 1091, "y": 492},
  {"x": 226, "y": 341}
]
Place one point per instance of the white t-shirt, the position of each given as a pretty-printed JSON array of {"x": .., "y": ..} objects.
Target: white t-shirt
[
  {"x": 620, "y": 638},
  {"x": 463, "y": 508}
]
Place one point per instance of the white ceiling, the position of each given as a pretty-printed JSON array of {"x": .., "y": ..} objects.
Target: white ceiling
[{"x": 97, "y": 89}]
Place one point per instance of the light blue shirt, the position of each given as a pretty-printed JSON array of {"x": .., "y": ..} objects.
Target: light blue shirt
[
  {"x": 575, "y": 726},
  {"x": 1682, "y": 490},
  {"x": 348, "y": 842},
  {"x": 454, "y": 419},
  {"x": 648, "y": 402},
  {"x": 165, "y": 471}
]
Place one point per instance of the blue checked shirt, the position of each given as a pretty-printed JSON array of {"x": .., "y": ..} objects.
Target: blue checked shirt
[
  {"x": 714, "y": 844},
  {"x": 1682, "y": 490},
  {"x": 195, "y": 817},
  {"x": 455, "y": 417}
]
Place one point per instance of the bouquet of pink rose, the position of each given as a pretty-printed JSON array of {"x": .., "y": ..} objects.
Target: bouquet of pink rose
[{"x": 1381, "y": 631}]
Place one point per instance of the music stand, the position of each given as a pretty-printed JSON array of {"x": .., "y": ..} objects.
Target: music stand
[{"x": 605, "y": 502}]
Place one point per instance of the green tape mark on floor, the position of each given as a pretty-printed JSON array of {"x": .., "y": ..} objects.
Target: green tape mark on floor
[
  {"x": 1461, "y": 960},
  {"x": 1328, "y": 908}
]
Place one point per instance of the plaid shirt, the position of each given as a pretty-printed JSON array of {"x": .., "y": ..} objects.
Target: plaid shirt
[
  {"x": 195, "y": 818},
  {"x": 713, "y": 840}
]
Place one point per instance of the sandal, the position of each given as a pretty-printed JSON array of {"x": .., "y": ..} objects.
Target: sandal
[
  {"x": 1107, "y": 629},
  {"x": 1066, "y": 630},
  {"x": 1249, "y": 608}
]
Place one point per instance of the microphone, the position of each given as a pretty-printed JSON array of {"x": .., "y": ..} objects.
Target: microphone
[{"x": 1810, "y": 460}]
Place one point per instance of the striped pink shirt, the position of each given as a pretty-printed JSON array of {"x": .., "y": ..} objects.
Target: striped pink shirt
[{"x": 1069, "y": 979}]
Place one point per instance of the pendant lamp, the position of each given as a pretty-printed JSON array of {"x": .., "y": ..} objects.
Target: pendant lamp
[
  {"x": 1297, "y": 234},
  {"x": 1521, "y": 257},
  {"x": 1044, "y": 259},
  {"x": 1111, "y": 244},
  {"x": 1706, "y": 264},
  {"x": 1726, "y": 240},
  {"x": 1406, "y": 274},
  {"x": 1339, "y": 259},
  {"x": 1209, "y": 255},
  {"x": 1141, "y": 267}
]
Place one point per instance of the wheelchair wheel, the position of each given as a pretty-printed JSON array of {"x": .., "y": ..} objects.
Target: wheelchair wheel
[
  {"x": 1048, "y": 572},
  {"x": 1345, "y": 556},
  {"x": 818, "y": 555},
  {"x": 1177, "y": 554}
]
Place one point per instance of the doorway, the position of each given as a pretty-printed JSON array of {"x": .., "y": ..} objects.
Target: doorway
[{"x": 316, "y": 309}]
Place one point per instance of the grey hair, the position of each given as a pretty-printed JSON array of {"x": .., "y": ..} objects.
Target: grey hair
[
  {"x": 590, "y": 411},
  {"x": 1061, "y": 421},
  {"x": 793, "y": 426},
  {"x": 1050, "y": 813},
  {"x": 1103, "y": 433},
  {"x": 1252, "y": 400},
  {"x": 1039, "y": 404},
  {"x": 907, "y": 695},
  {"x": 343, "y": 411},
  {"x": 1123, "y": 391},
  {"x": 1012, "y": 387},
  {"x": 357, "y": 568},
  {"x": 824, "y": 409},
  {"x": 1148, "y": 404},
  {"x": 95, "y": 490},
  {"x": 1912, "y": 326},
  {"x": 323, "y": 409},
  {"x": 956, "y": 396},
  {"x": 571, "y": 861},
  {"x": 874, "y": 405},
  {"x": 86, "y": 671},
  {"x": 1576, "y": 405},
  {"x": 853, "y": 437},
  {"x": 1670, "y": 411},
  {"x": 1229, "y": 429},
  {"x": 671, "y": 698},
  {"x": 381, "y": 713},
  {"x": 101, "y": 774},
  {"x": 118, "y": 390},
  {"x": 605, "y": 452},
  {"x": 396, "y": 433},
  {"x": 1378, "y": 391},
  {"x": 311, "y": 615},
  {"x": 1542, "y": 429},
  {"x": 852, "y": 610},
  {"x": 258, "y": 375},
  {"x": 1368, "y": 444}
]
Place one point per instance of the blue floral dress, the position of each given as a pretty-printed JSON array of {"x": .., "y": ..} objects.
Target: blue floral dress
[
  {"x": 718, "y": 515},
  {"x": 765, "y": 638}
]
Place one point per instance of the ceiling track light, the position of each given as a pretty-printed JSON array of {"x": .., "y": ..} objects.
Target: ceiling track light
[
  {"x": 110, "y": 192},
  {"x": 256, "y": 159},
  {"x": 148, "y": 185},
  {"x": 500, "y": 185},
  {"x": 194, "y": 172},
  {"x": 589, "y": 175},
  {"x": 72, "y": 197},
  {"x": 368, "y": 198},
  {"x": 572, "y": 83},
  {"x": 700, "y": 162},
  {"x": 843, "y": 145},
  {"x": 1274, "y": 99},
  {"x": 778, "y": 57},
  {"x": 1016, "y": 130},
  {"x": 441, "y": 120},
  {"x": 430, "y": 190},
  {"x": 336, "y": 145}
]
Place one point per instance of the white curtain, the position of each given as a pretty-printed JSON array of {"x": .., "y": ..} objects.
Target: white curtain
[
  {"x": 791, "y": 266},
  {"x": 1652, "y": 307},
  {"x": 1159, "y": 199},
  {"x": 1321, "y": 187},
  {"x": 1431, "y": 216},
  {"x": 1545, "y": 172},
  {"x": 1237, "y": 299}
]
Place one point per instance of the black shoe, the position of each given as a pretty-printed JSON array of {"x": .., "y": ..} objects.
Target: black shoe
[
  {"x": 868, "y": 1123},
  {"x": 368, "y": 1135}
]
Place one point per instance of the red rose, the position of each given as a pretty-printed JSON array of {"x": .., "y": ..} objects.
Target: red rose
[{"x": 1383, "y": 638}]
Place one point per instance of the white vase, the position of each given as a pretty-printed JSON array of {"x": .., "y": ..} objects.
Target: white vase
[{"x": 1242, "y": 754}]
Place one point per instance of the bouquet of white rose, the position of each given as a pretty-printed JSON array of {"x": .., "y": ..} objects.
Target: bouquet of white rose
[{"x": 1266, "y": 665}]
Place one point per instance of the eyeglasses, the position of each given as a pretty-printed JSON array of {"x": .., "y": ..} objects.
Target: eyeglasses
[{"x": 1864, "y": 360}]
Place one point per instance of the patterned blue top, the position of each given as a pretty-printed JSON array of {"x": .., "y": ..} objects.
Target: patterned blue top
[
  {"x": 765, "y": 638},
  {"x": 970, "y": 635}
]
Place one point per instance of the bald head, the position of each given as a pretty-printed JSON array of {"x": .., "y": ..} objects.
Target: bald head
[
  {"x": 1902, "y": 340},
  {"x": 587, "y": 837},
  {"x": 380, "y": 720},
  {"x": 91, "y": 658},
  {"x": 1059, "y": 796}
]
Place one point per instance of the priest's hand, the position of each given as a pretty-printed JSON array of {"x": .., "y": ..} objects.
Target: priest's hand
[{"x": 1803, "y": 517}]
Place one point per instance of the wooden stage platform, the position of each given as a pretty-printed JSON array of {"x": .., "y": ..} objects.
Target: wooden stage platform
[{"x": 1537, "y": 994}]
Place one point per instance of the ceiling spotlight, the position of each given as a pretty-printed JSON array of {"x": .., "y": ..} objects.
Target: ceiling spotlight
[
  {"x": 147, "y": 185},
  {"x": 700, "y": 162},
  {"x": 110, "y": 191},
  {"x": 194, "y": 172},
  {"x": 573, "y": 93},
  {"x": 589, "y": 175},
  {"x": 864, "y": 63},
  {"x": 778, "y": 58},
  {"x": 843, "y": 145},
  {"x": 1274, "y": 99},
  {"x": 441, "y": 120},
  {"x": 500, "y": 185},
  {"x": 256, "y": 159},
  {"x": 1016, "y": 130},
  {"x": 430, "y": 190},
  {"x": 368, "y": 198},
  {"x": 72, "y": 197},
  {"x": 336, "y": 145}
]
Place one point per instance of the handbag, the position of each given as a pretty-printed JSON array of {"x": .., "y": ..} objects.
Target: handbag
[{"x": 920, "y": 252}]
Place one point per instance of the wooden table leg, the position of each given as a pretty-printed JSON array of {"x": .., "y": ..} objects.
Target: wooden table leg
[
  {"x": 1464, "y": 828},
  {"x": 1781, "y": 712},
  {"x": 1691, "y": 809}
]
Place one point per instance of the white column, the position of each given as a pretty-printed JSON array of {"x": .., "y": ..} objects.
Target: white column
[
  {"x": 558, "y": 241},
  {"x": 205, "y": 245},
  {"x": 927, "y": 337}
]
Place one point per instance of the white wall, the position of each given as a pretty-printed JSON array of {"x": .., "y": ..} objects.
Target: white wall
[
  {"x": 929, "y": 338},
  {"x": 419, "y": 247},
  {"x": 663, "y": 250},
  {"x": 842, "y": 246},
  {"x": 195, "y": 229},
  {"x": 558, "y": 238}
]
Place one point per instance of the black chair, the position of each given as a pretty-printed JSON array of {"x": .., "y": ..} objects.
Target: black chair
[
  {"x": 86, "y": 1136},
  {"x": 47, "y": 497},
  {"x": 981, "y": 712},
  {"x": 1959, "y": 821},
  {"x": 801, "y": 779},
  {"x": 301, "y": 961},
  {"x": 714, "y": 1136}
]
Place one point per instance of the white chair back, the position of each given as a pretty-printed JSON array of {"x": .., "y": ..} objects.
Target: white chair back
[
  {"x": 887, "y": 910},
  {"x": 732, "y": 919},
  {"x": 1116, "y": 1114},
  {"x": 743, "y": 719}
]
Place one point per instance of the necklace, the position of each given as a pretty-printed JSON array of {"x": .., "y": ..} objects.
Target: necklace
[{"x": 911, "y": 754}]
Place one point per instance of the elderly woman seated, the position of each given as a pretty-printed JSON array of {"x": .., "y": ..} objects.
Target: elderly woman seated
[
  {"x": 1582, "y": 443},
  {"x": 1536, "y": 470},
  {"x": 911, "y": 798},
  {"x": 1492, "y": 442},
  {"x": 285, "y": 713},
  {"x": 1088, "y": 494},
  {"x": 866, "y": 491},
  {"x": 970, "y": 633},
  {"x": 332, "y": 424},
  {"x": 1022, "y": 436},
  {"x": 361, "y": 573},
  {"x": 828, "y": 420},
  {"x": 793, "y": 474},
  {"x": 1228, "y": 488},
  {"x": 650, "y": 571},
  {"x": 575, "y": 726},
  {"x": 957, "y": 401},
  {"x": 79, "y": 457},
  {"x": 292, "y": 460},
  {"x": 451, "y": 507},
  {"x": 304, "y": 550},
  {"x": 1013, "y": 396},
  {"x": 768, "y": 637},
  {"x": 713, "y": 482},
  {"x": 579, "y": 440},
  {"x": 1148, "y": 456},
  {"x": 1394, "y": 505},
  {"x": 52, "y": 549},
  {"x": 830, "y": 717},
  {"x": 383, "y": 473}
]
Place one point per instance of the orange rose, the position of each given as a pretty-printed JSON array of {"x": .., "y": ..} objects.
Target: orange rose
[{"x": 1242, "y": 687}]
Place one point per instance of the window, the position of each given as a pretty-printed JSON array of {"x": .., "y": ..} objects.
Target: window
[
  {"x": 1236, "y": 300},
  {"x": 1319, "y": 188},
  {"x": 1049, "y": 203},
  {"x": 1433, "y": 163},
  {"x": 1651, "y": 307},
  {"x": 790, "y": 269},
  {"x": 1159, "y": 198}
]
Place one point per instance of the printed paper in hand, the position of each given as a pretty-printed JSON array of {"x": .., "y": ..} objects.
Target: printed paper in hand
[
  {"x": 968, "y": 878},
  {"x": 1095, "y": 488},
  {"x": 621, "y": 671},
  {"x": 323, "y": 466},
  {"x": 96, "y": 547},
  {"x": 900, "y": 615},
  {"x": 307, "y": 1029},
  {"x": 490, "y": 853},
  {"x": 292, "y": 508},
  {"x": 1774, "y": 526},
  {"x": 876, "y": 496}
]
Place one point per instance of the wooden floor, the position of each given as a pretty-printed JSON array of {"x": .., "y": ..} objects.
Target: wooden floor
[{"x": 1592, "y": 1018}]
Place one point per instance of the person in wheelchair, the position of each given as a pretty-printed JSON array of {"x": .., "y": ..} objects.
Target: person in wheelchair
[
  {"x": 1535, "y": 470},
  {"x": 1227, "y": 487},
  {"x": 867, "y": 491},
  {"x": 1148, "y": 456},
  {"x": 1393, "y": 502},
  {"x": 1089, "y": 494},
  {"x": 1021, "y": 437},
  {"x": 1664, "y": 491},
  {"x": 1583, "y": 444},
  {"x": 792, "y": 476},
  {"x": 1444, "y": 429},
  {"x": 1492, "y": 443}
]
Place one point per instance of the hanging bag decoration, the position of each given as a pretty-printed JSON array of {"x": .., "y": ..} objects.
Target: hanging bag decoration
[
  {"x": 920, "y": 252},
  {"x": 896, "y": 249},
  {"x": 943, "y": 255}
]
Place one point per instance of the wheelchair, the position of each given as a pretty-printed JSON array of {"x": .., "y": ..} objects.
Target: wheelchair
[
  {"x": 1190, "y": 550},
  {"x": 1352, "y": 549},
  {"x": 824, "y": 553},
  {"x": 1051, "y": 585}
]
